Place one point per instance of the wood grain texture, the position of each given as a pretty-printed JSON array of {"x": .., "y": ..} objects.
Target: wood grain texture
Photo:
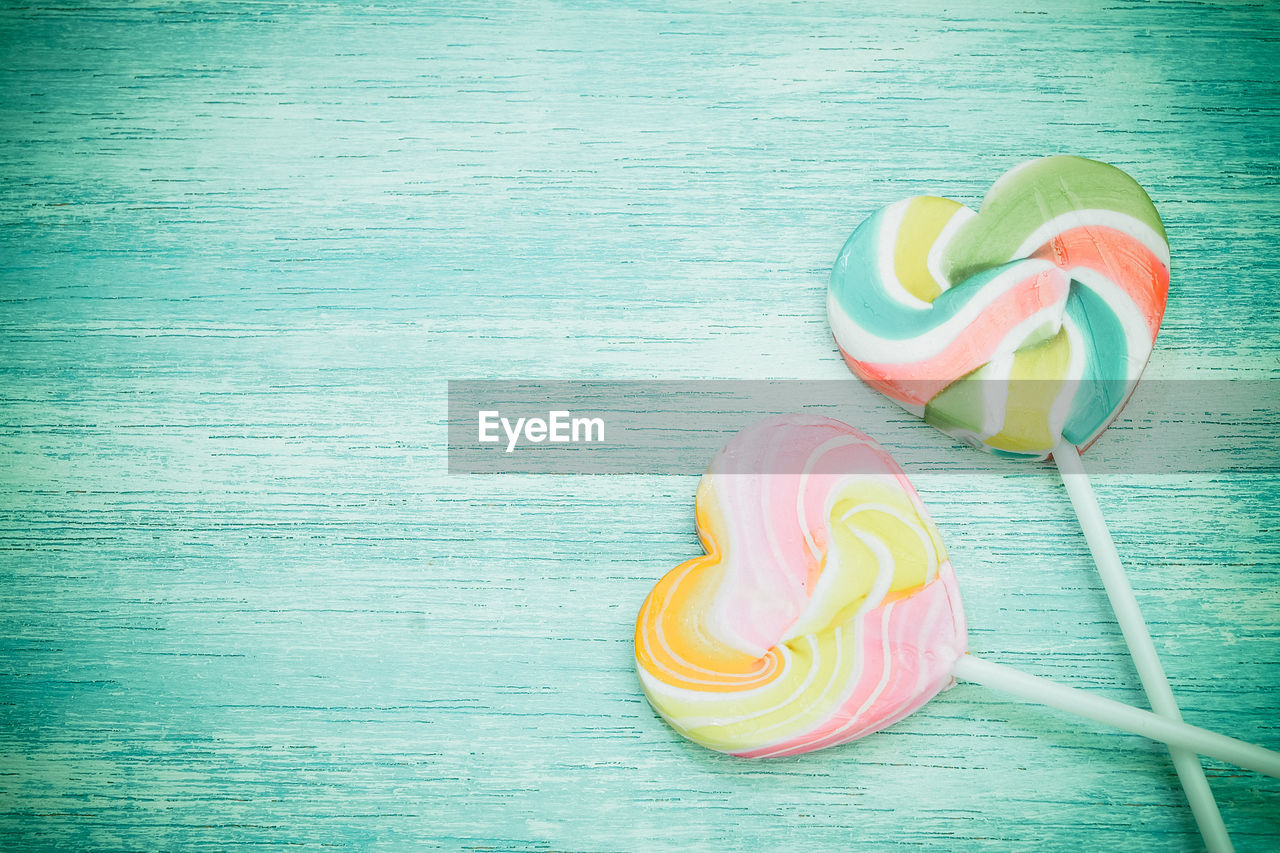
[{"x": 246, "y": 244}]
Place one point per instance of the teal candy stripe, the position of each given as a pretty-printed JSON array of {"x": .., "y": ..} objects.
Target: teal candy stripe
[
  {"x": 858, "y": 287},
  {"x": 864, "y": 295},
  {"x": 1102, "y": 386}
]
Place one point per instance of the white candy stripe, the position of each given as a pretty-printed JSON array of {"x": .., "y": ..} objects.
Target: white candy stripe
[
  {"x": 936, "y": 612},
  {"x": 884, "y": 571},
  {"x": 1137, "y": 335},
  {"x": 931, "y": 619},
  {"x": 862, "y": 344},
  {"x": 1060, "y": 409},
  {"x": 785, "y": 745},
  {"x": 802, "y": 488},
  {"x": 1134, "y": 227},
  {"x": 939, "y": 247},
  {"x": 810, "y": 676},
  {"x": 886, "y": 238},
  {"x": 854, "y": 684},
  {"x": 761, "y": 677},
  {"x": 993, "y": 390}
]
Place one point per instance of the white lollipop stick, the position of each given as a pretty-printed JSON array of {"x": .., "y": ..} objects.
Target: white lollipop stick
[
  {"x": 1138, "y": 638},
  {"x": 1125, "y": 717}
]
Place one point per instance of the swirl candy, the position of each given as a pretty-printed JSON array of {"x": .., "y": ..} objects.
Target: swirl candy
[
  {"x": 1023, "y": 329},
  {"x": 826, "y": 609},
  {"x": 1015, "y": 327}
]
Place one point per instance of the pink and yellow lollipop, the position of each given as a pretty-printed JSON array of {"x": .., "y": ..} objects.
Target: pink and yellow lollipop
[{"x": 825, "y": 607}]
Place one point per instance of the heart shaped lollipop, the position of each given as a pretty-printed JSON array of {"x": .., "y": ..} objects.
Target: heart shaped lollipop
[
  {"x": 1022, "y": 329},
  {"x": 826, "y": 609},
  {"x": 1015, "y": 327}
]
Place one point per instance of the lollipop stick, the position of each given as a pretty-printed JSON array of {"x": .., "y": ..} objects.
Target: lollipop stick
[
  {"x": 1125, "y": 717},
  {"x": 1138, "y": 638}
]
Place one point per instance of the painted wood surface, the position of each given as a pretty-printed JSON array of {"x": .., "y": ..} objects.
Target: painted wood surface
[{"x": 246, "y": 244}]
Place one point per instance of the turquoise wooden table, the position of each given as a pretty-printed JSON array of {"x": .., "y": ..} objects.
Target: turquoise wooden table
[{"x": 246, "y": 244}]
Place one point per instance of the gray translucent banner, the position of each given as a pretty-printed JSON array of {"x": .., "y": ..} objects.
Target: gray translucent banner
[{"x": 642, "y": 427}]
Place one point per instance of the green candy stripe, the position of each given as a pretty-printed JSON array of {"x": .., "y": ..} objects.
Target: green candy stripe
[{"x": 1028, "y": 197}]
